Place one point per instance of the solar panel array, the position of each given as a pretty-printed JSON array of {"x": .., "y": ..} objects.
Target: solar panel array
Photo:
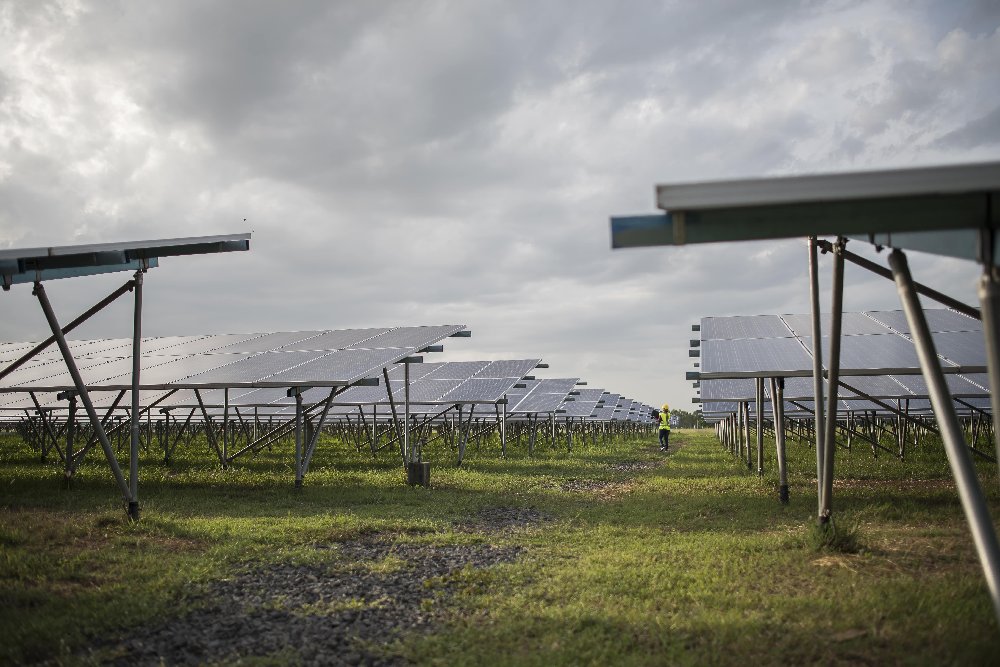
[
  {"x": 254, "y": 371},
  {"x": 284, "y": 359},
  {"x": 878, "y": 358}
]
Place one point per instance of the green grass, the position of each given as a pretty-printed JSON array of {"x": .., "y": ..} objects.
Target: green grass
[{"x": 694, "y": 562}]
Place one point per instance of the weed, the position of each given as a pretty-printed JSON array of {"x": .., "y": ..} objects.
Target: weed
[{"x": 840, "y": 536}]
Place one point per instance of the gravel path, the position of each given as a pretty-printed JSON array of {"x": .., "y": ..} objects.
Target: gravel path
[
  {"x": 347, "y": 610},
  {"x": 502, "y": 519},
  {"x": 344, "y": 612}
]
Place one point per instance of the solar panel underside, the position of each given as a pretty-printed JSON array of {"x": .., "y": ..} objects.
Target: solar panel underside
[
  {"x": 754, "y": 355},
  {"x": 752, "y": 326},
  {"x": 871, "y": 344},
  {"x": 578, "y": 408},
  {"x": 878, "y": 359},
  {"x": 305, "y": 358},
  {"x": 539, "y": 402}
]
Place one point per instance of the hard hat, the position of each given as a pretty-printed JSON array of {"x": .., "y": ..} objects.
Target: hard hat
[{"x": 666, "y": 407}]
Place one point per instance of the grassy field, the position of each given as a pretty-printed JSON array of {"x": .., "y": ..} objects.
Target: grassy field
[{"x": 632, "y": 561}]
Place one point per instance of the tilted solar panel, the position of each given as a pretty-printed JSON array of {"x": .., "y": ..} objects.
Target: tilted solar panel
[
  {"x": 747, "y": 326},
  {"x": 336, "y": 340}
]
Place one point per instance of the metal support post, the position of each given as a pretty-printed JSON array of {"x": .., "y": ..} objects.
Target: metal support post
[
  {"x": 298, "y": 438},
  {"x": 81, "y": 389},
  {"x": 90, "y": 312},
  {"x": 407, "y": 454},
  {"x": 746, "y": 432},
  {"x": 971, "y": 495},
  {"x": 989, "y": 301},
  {"x": 133, "y": 504},
  {"x": 760, "y": 426},
  {"x": 70, "y": 437},
  {"x": 833, "y": 368},
  {"x": 225, "y": 428},
  {"x": 817, "y": 354},
  {"x": 503, "y": 430},
  {"x": 778, "y": 410}
]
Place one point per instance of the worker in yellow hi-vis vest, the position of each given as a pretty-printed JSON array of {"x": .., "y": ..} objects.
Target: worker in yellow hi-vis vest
[{"x": 664, "y": 427}]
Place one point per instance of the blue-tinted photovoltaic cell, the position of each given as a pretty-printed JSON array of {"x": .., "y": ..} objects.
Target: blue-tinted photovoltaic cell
[
  {"x": 338, "y": 367},
  {"x": 965, "y": 348},
  {"x": 539, "y": 403},
  {"x": 590, "y": 394},
  {"x": 457, "y": 370},
  {"x": 268, "y": 342},
  {"x": 183, "y": 367},
  {"x": 957, "y": 385},
  {"x": 335, "y": 340},
  {"x": 938, "y": 320},
  {"x": 412, "y": 337},
  {"x": 248, "y": 369},
  {"x": 509, "y": 368},
  {"x": 578, "y": 408},
  {"x": 851, "y": 324},
  {"x": 163, "y": 344},
  {"x": 740, "y": 389},
  {"x": 751, "y": 326},
  {"x": 873, "y": 352},
  {"x": 557, "y": 385},
  {"x": 878, "y": 386},
  {"x": 432, "y": 391},
  {"x": 754, "y": 355},
  {"x": 486, "y": 390},
  {"x": 199, "y": 345}
]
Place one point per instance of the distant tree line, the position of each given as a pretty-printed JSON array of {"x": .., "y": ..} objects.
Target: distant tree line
[{"x": 688, "y": 419}]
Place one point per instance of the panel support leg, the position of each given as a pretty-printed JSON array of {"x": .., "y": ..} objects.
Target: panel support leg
[
  {"x": 971, "y": 495},
  {"x": 133, "y": 474},
  {"x": 833, "y": 368},
  {"x": 778, "y": 409},
  {"x": 989, "y": 301},
  {"x": 81, "y": 390},
  {"x": 760, "y": 426},
  {"x": 817, "y": 355},
  {"x": 298, "y": 439}
]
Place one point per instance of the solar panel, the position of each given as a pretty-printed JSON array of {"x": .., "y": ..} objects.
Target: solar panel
[
  {"x": 362, "y": 395},
  {"x": 457, "y": 370},
  {"x": 226, "y": 359},
  {"x": 578, "y": 408},
  {"x": 557, "y": 385},
  {"x": 414, "y": 337},
  {"x": 431, "y": 390},
  {"x": 509, "y": 368},
  {"x": 268, "y": 342},
  {"x": 397, "y": 372},
  {"x": 163, "y": 343},
  {"x": 754, "y": 356},
  {"x": 338, "y": 367},
  {"x": 938, "y": 319},
  {"x": 539, "y": 402},
  {"x": 851, "y": 324},
  {"x": 224, "y": 370},
  {"x": 481, "y": 390},
  {"x": 194, "y": 346},
  {"x": 335, "y": 340},
  {"x": 873, "y": 352},
  {"x": 117, "y": 347},
  {"x": 964, "y": 348},
  {"x": 750, "y": 326},
  {"x": 958, "y": 385},
  {"x": 740, "y": 389}
]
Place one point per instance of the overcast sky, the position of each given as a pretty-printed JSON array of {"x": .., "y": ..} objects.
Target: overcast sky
[{"x": 405, "y": 163}]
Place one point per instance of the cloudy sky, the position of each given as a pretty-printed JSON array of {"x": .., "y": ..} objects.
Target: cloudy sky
[{"x": 457, "y": 162}]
